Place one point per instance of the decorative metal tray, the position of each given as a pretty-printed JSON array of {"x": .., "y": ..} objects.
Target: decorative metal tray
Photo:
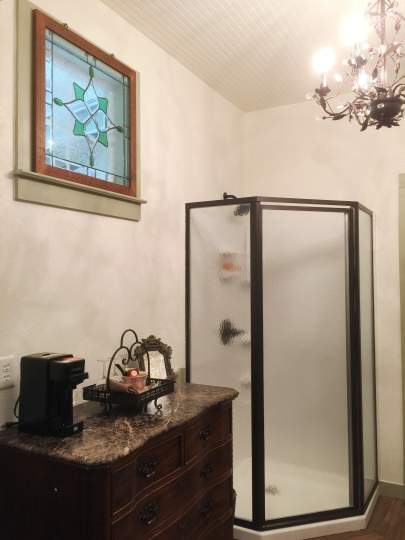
[
  {"x": 155, "y": 388},
  {"x": 136, "y": 402}
]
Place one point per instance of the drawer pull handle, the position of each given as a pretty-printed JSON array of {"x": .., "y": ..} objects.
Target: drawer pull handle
[
  {"x": 147, "y": 469},
  {"x": 207, "y": 470},
  {"x": 149, "y": 514},
  {"x": 205, "y": 434},
  {"x": 183, "y": 525},
  {"x": 207, "y": 508}
]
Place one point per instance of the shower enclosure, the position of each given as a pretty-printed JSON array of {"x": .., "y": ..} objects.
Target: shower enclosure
[{"x": 279, "y": 305}]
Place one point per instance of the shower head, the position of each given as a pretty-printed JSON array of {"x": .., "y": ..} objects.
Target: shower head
[{"x": 242, "y": 210}]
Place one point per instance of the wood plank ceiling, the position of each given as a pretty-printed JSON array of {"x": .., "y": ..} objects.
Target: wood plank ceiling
[{"x": 256, "y": 53}]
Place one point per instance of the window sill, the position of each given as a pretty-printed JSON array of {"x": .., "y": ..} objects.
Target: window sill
[{"x": 43, "y": 189}]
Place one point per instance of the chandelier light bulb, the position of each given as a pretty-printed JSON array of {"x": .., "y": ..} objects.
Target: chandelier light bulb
[
  {"x": 354, "y": 30},
  {"x": 323, "y": 60},
  {"x": 364, "y": 81},
  {"x": 338, "y": 77}
]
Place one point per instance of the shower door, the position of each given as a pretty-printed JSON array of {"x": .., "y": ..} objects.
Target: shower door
[{"x": 306, "y": 358}]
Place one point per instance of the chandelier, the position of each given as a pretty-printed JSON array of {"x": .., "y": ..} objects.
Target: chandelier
[{"x": 372, "y": 68}]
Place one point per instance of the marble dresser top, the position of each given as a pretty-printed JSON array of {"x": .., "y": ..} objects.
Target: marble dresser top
[{"x": 106, "y": 438}]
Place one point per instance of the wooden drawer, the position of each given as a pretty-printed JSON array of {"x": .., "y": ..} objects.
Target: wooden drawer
[
  {"x": 223, "y": 531},
  {"x": 162, "y": 505},
  {"x": 212, "y": 468},
  {"x": 148, "y": 468},
  {"x": 201, "y": 518},
  {"x": 210, "y": 430}
]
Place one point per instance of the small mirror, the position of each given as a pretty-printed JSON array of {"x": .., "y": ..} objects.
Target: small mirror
[{"x": 160, "y": 358}]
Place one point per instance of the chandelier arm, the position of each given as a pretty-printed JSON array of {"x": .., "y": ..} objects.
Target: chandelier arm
[
  {"x": 379, "y": 63},
  {"x": 345, "y": 110},
  {"x": 398, "y": 85},
  {"x": 326, "y": 106},
  {"x": 330, "y": 112}
]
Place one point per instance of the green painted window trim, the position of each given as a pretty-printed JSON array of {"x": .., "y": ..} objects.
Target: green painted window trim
[{"x": 48, "y": 190}]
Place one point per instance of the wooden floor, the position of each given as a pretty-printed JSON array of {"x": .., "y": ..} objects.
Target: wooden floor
[{"x": 387, "y": 523}]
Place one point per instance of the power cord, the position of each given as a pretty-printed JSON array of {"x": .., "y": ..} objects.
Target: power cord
[
  {"x": 8, "y": 425},
  {"x": 15, "y": 408}
]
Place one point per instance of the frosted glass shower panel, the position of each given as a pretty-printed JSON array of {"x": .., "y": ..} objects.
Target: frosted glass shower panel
[
  {"x": 219, "y": 322},
  {"x": 367, "y": 352},
  {"x": 305, "y": 360}
]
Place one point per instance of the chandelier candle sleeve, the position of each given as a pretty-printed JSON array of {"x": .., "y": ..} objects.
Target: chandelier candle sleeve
[{"x": 372, "y": 70}]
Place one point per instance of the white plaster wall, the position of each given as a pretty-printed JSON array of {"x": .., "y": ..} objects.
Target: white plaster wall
[
  {"x": 287, "y": 152},
  {"x": 71, "y": 281}
]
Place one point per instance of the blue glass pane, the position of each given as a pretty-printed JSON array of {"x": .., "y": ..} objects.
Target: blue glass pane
[
  {"x": 91, "y": 60},
  {"x": 107, "y": 70},
  {"x": 101, "y": 175},
  {"x": 48, "y": 129},
  {"x": 87, "y": 113},
  {"x": 68, "y": 47}
]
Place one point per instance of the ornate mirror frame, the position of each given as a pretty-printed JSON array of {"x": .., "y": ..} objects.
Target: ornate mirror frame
[{"x": 153, "y": 343}]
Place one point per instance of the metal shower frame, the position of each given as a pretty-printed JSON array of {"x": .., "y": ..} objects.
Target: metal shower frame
[{"x": 351, "y": 210}]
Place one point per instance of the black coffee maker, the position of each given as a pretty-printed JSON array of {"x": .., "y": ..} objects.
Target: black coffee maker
[{"x": 46, "y": 393}]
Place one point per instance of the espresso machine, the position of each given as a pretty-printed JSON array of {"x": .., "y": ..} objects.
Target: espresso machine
[{"x": 46, "y": 393}]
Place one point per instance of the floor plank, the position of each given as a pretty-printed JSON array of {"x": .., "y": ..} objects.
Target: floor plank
[{"x": 386, "y": 523}]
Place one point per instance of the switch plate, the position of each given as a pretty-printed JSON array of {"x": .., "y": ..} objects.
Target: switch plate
[{"x": 6, "y": 372}]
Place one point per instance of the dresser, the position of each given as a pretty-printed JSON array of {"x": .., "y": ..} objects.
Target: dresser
[{"x": 164, "y": 476}]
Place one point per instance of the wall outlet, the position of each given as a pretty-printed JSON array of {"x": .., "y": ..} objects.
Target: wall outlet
[{"x": 6, "y": 372}]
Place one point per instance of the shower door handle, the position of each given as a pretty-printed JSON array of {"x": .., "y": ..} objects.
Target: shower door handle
[{"x": 228, "y": 331}]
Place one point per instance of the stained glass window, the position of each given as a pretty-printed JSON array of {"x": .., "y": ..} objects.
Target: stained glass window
[{"x": 87, "y": 113}]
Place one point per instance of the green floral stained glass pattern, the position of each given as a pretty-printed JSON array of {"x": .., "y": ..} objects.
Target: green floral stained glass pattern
[
  {"x": 90, "y": 113},
  {"x": 87, "y": 113}
]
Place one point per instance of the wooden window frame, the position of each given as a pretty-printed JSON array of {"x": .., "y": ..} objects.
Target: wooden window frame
[{"x": 41, "y": 22}]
